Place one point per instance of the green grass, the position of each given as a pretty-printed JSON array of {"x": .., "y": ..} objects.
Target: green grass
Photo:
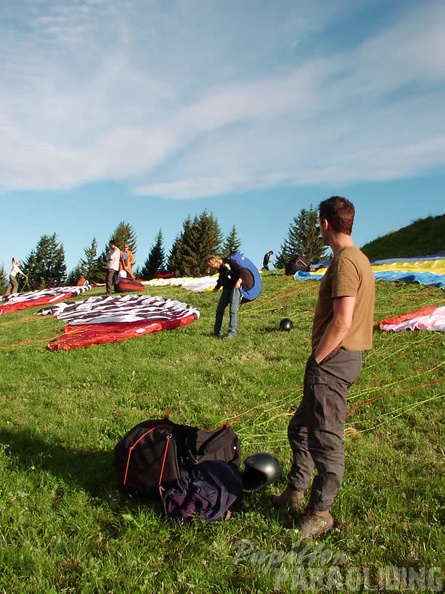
[
  {"x": 423, "y": 237},
  {"x": 65, "y": 527}
]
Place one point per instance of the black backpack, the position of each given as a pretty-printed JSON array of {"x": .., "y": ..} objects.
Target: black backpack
[
  {"x": 153, "y": 455},
  {"x": 299, "y": 264}
]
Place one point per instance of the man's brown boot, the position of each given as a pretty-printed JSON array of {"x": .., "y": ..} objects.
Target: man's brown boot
[
  {"x": 314, "y": 523},
  {"x": 291, "y": 498}
]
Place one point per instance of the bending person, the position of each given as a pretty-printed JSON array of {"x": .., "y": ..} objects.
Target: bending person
[{"x": 231, "y": 277}]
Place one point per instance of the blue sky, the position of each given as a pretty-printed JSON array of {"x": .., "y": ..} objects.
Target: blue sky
[{"x": 148, "y": 111}]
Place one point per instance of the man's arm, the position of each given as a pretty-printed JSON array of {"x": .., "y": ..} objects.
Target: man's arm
[
  {"x": 337, "y": 328},
  {"x": 220, "y": 281}
]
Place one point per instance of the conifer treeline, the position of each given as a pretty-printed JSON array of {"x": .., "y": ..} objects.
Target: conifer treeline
[{"x": 200, "y": 237}]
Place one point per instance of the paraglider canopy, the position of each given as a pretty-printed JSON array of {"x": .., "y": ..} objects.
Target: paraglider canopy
[{"x": 251, "y": 293}]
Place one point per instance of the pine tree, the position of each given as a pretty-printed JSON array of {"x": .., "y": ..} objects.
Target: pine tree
[
  {"x": 189, "y": 256},
  {"x": 89, "y": 266},
  {"x": 199, "y": 238},
  {"x": 4, "y": 279},
  {"x": 207, "y": 240},
  {"x": 303, "y": 239},
  {"x": 124, "y": 234},
  {"x": 175, "y": 258},
  {"x": 232, "y": 243},
  {"x": 156, "y": 259},
  {"x": 74, "y": 275},
  {"x": 46, "y": 261},
  {"x": 315, "y": 250}
]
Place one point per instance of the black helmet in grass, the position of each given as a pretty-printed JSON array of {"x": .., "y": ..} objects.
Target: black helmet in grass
[
  {"x": 286, "y": 325},
  {"x": 260, "y": 470}
]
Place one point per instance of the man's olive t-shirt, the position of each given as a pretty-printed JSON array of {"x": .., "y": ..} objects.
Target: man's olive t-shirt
[{"x": 349, "y": 274}]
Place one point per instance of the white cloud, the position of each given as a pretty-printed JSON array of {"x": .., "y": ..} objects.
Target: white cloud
[{"x": 187, "y": 99}]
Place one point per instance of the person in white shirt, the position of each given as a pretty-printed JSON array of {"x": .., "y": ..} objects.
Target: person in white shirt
[
  {"x": 114, "y": 256},
  {"x": 13, "y": 284}
]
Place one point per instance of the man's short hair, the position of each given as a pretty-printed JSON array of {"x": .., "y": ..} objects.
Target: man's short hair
[{"x": 339, "y": 212}]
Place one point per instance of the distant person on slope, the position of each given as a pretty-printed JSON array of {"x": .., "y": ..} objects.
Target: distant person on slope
[
  {"x": 114, "y": 256},
  {"x": 13, "y": 284},
  {"x": 266, "y": 260}
]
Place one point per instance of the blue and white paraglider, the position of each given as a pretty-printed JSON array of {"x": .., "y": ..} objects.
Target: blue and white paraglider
[{"x": 248, "y": 294}]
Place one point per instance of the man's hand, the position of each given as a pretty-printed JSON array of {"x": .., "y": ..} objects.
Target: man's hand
[{"x": 337, "y": 329}]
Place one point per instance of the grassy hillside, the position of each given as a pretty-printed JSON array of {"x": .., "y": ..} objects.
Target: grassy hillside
[
  {"x": 424, "y": 237},
  {"x": 64, "y": 527}
]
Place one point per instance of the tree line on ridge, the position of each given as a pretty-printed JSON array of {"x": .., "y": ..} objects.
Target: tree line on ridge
[{"x": 200, "y": 236}]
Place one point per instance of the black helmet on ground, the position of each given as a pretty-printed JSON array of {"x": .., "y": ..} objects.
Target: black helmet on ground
[
  {"x": 286, "y": 324},
  {"x": 260, "y": 470}
]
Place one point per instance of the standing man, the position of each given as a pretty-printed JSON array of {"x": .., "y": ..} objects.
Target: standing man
[
  {"x": 342, "y": 329},
  {"x": 114, "y": 256}
]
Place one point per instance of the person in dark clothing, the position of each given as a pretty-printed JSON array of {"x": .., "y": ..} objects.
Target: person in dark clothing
[
  {"x": 231, "y": 277},
  {"x": 266, "y": 260}
]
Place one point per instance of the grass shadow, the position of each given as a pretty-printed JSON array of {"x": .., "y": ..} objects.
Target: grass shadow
[{"x": 91, "y": 470}]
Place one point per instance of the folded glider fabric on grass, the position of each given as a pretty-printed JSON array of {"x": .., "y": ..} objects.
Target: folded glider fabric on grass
[
  {"x": 128, "y": 285},
  {"x": 197, "y": 285},
  {"x": 18, "y": 301},
  {"x": 434, "y": 263},
  {"x": 99, "y": 320},
  {"x": 428, "y": 279},
  {"x": 207, "y": 283},
  {"x": 300, "y": 275},
  {"x": 425, "y": 270},
  {"x": 426, "y": 318}
]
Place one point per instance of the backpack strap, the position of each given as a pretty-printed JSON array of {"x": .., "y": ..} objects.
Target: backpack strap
[{"x": 164, "y": 458}]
